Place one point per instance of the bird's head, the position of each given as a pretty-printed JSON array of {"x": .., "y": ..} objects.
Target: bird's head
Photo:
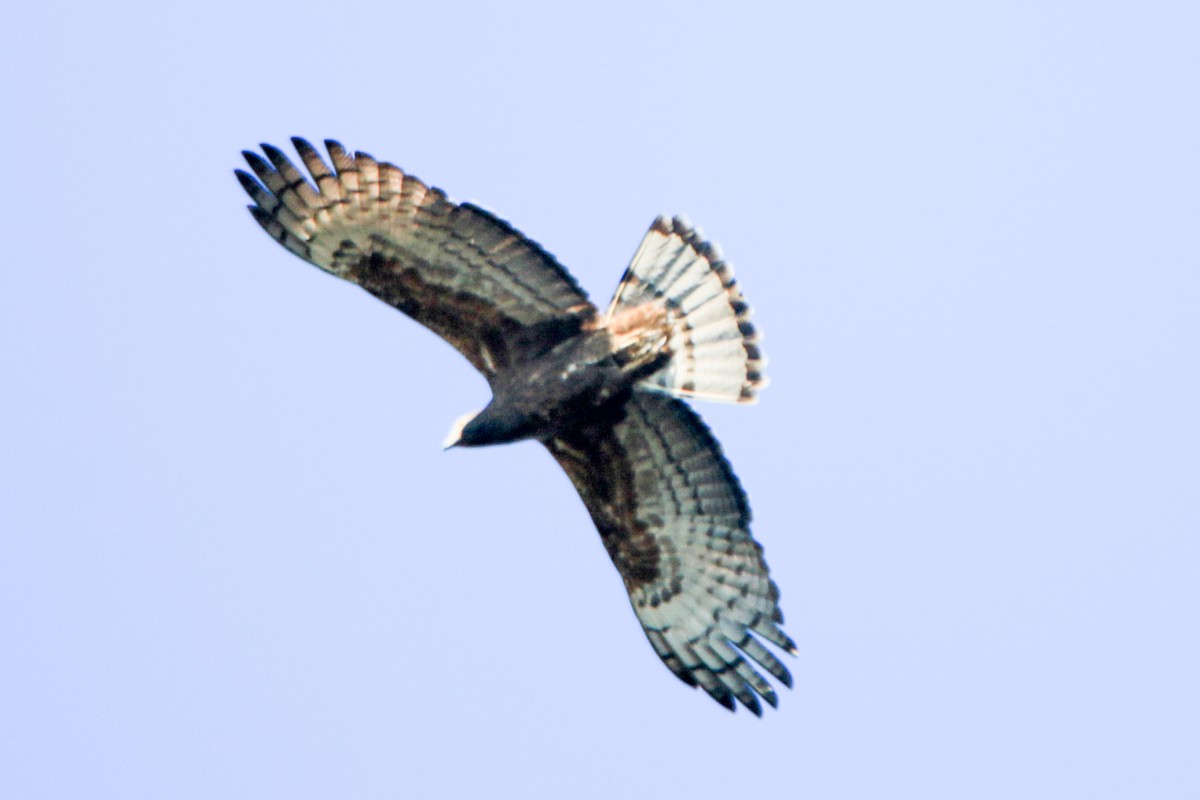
[
  {"x": 455, "y": 437},
  {"x": 494, "y": 425}
]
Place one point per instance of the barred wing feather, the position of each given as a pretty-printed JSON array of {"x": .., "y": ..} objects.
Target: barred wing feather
[
  {"x": 675, "y": 521},
  {"x": 470, "y": 277}
]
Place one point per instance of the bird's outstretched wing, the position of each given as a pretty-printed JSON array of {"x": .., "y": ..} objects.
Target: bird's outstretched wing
[
  {"x": 675, "y": 521},
  {"x": 455, "y": 268}
]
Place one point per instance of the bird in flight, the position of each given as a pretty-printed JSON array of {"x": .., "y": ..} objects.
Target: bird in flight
[{"x": 601, "y": 390}]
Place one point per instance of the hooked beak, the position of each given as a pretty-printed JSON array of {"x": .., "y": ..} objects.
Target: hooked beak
[{"x": 455, "y": 434}]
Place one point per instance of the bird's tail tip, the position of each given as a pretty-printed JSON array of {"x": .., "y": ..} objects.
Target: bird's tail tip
[{"x": 713, "y": 345}]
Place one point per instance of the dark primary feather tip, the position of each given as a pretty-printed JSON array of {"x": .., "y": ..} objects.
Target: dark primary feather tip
[
  {"x": 257, "y": 163},
  {"x": 274, "y": 153},
  {"x": 333, "y": 144},
  {"x": 300, "y": 143},
  {"x": 247, "y": 181}
]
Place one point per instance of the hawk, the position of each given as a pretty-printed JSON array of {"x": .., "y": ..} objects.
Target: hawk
[{"x": 600, "y": 390}]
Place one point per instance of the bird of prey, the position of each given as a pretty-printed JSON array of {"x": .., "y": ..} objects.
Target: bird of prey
[{"x": 601, "y": 390}]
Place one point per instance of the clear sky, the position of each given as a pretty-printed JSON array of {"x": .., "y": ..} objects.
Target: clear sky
[{"x": 234, "y": 562}]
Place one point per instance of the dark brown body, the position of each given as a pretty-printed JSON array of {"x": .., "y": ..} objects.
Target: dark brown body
[{"x": 571, "y": 383}]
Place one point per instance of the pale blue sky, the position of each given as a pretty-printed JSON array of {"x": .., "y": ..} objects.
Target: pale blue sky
[{"x": 234, "y": 562}]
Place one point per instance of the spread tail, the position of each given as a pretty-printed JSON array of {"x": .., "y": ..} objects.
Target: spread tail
[{"x": 678, "y": 284}]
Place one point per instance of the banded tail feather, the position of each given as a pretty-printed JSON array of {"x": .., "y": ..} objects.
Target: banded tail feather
[{"x": 679, "y": 280}]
